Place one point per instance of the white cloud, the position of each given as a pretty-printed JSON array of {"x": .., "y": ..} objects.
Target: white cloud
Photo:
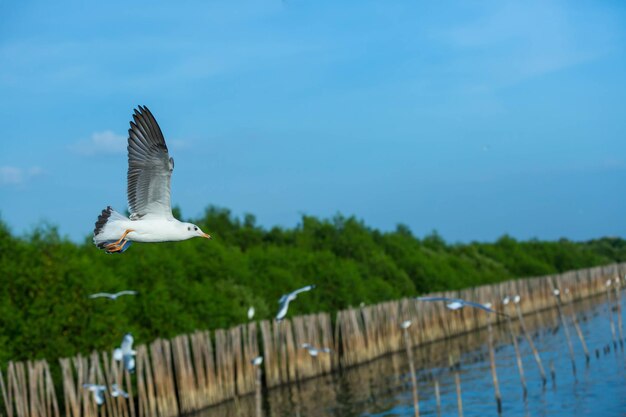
[
  {"x": 100, "y": 143},
  {"x": 10, "y": 175}
]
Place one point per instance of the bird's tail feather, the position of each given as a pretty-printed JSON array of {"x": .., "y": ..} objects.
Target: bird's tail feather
[{"x": 103, "y": 232}]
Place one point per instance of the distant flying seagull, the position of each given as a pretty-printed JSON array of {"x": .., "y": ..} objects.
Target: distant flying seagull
[
  {"x": 113, "y": 296},
  {"x": 116, "y": 391},
  {"x": 257, "y": 361},
  {"x": 287, "y": 298},
  {"x": 149, "y": 172},
  {"x": 126, "y": 353},
  {"x": 457, "y": 303},
  {"x": 313, "y": 351},
  {"x": 98, "y": 392},
  {"x": 250, "y": 313}
]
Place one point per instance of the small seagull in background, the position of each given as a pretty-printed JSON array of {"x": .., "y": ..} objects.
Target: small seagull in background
[
  {"x": 98, "y": 392},
  {"x": 116, "y": 391},
  {"x": 313, "y": 351},
  {"x": 287, "y": 298},
  {"x": 406, "y": 324},
  {"x": 257, "y": 361},
  {"x": 457, "y": 303},
  {"x": 517, "y": 299},
  {"x": 113, "y": 296},
  {"x": 250, "y": 313},
  {"x": 126, "y": 353}
]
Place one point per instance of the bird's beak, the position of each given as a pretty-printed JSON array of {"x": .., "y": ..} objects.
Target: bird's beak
[{"x": 206, "y": 235}]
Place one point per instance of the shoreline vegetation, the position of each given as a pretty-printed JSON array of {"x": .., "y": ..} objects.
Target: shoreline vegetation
[{"x": 46, "y": 312}]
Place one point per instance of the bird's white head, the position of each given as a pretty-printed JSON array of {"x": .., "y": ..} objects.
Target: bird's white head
[{"x": 194, "y": 231}]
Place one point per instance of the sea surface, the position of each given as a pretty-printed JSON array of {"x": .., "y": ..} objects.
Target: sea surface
[{"x": 383, "y": 387}]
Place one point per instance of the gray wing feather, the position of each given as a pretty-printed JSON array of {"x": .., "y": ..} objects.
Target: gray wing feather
[
  {"x": 303, "y": 289},
  {"x": 436, "y": 299},
  {"x": 149, "y": 168}
]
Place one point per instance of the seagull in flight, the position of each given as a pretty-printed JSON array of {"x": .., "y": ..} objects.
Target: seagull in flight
[
  {"x": 113, "y": 296},
  {"x": 313, "y": 351},
  {"x": 250, "y": 313},
  {"x": 116, "y": 391},
  {"x": 287, "y": 298},
  {"x": 126, "y": 353},
  {"x": 98, "y": 392},
  {"x": 148, "y": 190},
  {"x": 458, "y": 303}
]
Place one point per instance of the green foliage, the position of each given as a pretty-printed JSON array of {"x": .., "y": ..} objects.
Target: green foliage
[{"x": 45, "y": 280}]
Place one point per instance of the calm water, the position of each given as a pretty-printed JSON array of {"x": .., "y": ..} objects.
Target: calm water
[{"x": 382, "y": 388}]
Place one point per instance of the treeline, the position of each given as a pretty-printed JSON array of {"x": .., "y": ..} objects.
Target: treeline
[{"x": 45, "y": 280}]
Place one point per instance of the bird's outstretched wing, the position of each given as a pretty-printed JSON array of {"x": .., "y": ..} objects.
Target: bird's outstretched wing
[
  {"x": 436, "y": 299},
  {"x": 478, "y": 305},
  {"x": 303, "y": 289},
  {"x": 101, "y": 294},
  {"x": 149, "y": 168},
  {"x": 126, "y": 292}
]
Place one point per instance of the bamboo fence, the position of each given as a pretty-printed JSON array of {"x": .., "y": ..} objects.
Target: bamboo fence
[{"x": 192, "y": 372}]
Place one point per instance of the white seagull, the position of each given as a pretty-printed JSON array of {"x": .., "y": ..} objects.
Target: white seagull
[
  {"x": 250, "y": 313},
  {"x": 457, "y": 303},
  {"x": 116, "y": 391},
  {"x": 126, "y": 353},
  {"x": 257, "y": 361},
  {"x": 313, "y": 351},
  {"x": 98, "y": 392},
  {"x": 113, "y": 296},
  {"x": 287, "y": 298},
  {"x": 405, "y": 324},
  {"x": 149, "y": 172}
]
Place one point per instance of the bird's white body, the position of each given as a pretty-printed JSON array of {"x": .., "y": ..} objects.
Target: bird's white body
[
  {"x": 126, "y": 353},
  {"x": 148, "y": 230},
  {"x": 257, "y": 361},
  {"x": 406, "y": 324},
  {"x": 250, "y": 313},
  {"x": 455, "y": 305},
  {"x": 98, "y": 392},
  {"x": 313, "y": 351},
  {"x": 116, "y": 391}
]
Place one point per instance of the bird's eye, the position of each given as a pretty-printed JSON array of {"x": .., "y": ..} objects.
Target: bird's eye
[{"x": 195, "y": 228}]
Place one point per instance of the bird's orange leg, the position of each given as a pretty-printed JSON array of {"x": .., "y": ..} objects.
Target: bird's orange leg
[{"x": 116, "y": 247}]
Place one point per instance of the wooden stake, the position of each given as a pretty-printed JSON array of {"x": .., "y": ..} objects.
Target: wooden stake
[
  {"x": 579, "y": 332},
  {"x": 457, "y": 382},
  {"x": 494, "y": 374},
  {"x": 557, "y": 294},
  {"x": 610, "y": 306},
  {"x": 520, "y": 364},
  {"x": 407, "y": 342},
  {"x": 619, "y": 312},
  {"x": 438, "y": 398},
  {"x": 530, "y": 340}
]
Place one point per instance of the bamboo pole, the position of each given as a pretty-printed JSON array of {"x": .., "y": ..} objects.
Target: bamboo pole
[
  {"x": 438, "y": 398},
  {"x": 610, "y": 308},
  {"x": 492, "y": 362},
  {"x": 518, "y": 356},
  {"x": 557, "y": 296},
  {"x": 409, "y": 353},
  {"x": 516, "y": 301},
  {"x": 579, "y": 332},
  {"x": 457, "y": 383},
  {"x": 618, "y": 298}
]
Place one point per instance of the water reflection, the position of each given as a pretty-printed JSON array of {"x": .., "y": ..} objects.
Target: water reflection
[{"x": 382, "y": 387}]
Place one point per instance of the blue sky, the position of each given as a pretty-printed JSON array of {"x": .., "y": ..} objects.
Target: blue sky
[{"x": 472, "y": 118}]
